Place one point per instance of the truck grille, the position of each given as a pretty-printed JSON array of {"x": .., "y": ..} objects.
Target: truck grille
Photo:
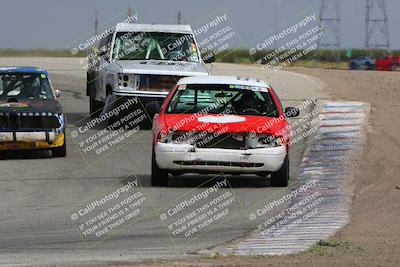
[{"x": 158, "y": 83}]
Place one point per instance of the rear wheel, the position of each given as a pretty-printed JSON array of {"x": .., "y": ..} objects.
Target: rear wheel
[
  {"x": 159, "y": 177},
  {"x": 280, "y": 178}
]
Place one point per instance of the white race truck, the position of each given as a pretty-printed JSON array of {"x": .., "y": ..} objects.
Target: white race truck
[{"x": 141, "y": 60}]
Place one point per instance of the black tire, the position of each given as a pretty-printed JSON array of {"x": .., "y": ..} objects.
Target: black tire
[
  {"x": 159, "y": 177},
  {"x": 94, "y": 107},
  {"x": 60, "y": 152},
  {"x": 281, "y": 178},
  {"x": 146, "y": 124}
]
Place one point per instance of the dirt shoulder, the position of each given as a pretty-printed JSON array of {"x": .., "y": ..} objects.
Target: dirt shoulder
[{"x": 372, "y": 237}]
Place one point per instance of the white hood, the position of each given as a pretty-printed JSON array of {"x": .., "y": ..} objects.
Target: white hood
[{"x": 159, "y": 67}]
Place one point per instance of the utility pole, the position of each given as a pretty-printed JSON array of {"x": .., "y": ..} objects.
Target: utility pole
[
  {"x": 329, "y": 22},
  {"x": 96, "y": 23},
  {"x": 277, "y": 3},
  {"x": 376, "y": 20},
  {"x": 179, "y": 17},
  {"x": 130, "y": 12}
]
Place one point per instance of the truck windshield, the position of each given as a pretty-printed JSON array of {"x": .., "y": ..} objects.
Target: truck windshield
[
  {"x": 154, "y": 45},
  {"x": 226, "y": 99},
  {"x": 25, "y": 86}
]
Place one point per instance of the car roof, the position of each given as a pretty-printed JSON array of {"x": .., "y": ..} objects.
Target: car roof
[
  {"x": 23, "y": 69},
  {"x": 154, "y": 27},
  {"x": 216, "y": 79}
]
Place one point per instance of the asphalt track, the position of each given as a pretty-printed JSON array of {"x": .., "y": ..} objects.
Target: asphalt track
[{"x": 37, "y": 192}]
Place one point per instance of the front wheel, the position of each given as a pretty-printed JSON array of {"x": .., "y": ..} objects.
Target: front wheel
[
  {"x": 94, "y": 107},
  {"x": 159, "y": 177},
  {"x": 280, "y": 178},
  {"x": 60, "y": 152}
]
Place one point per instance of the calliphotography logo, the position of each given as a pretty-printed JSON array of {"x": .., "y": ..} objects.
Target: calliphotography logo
[
  {"x": 109, "y": 212},
  {"x": 86, "y": 44},
  {"x": 199, "y": 213},
  {"x": 202, "y": 134},
  {"x": 295, "y": 40},
  {"x": 277, "y": 216},
  {"x": 295, "y": 131},
  {"x": 214, "y": 34},
  {"x": 98, "y": 59},
  {"x": 98, "y": 49},
  {"x": 119, "y": 123}
]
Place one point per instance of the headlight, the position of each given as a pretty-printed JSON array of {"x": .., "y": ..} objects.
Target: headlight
[
  {"x": 162, "y": 137},
  {"x": 177, "y": 137},
  {"x": 269, "y": 141},
  {"x": 128, "y": 81}
]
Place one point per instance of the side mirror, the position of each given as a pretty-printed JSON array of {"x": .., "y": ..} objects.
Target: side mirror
[
  {"x": 291, "y": 112},
  {"x": 209, "y": 59},
  {"x": 153, "y": 107},
  {"x": 57, "y": 93}
]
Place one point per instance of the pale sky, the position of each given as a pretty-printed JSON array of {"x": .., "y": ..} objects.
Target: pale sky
[{"x": 58, "y": 24}]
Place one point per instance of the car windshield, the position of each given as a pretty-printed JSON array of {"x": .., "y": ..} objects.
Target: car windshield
[
  {"x": 225, "y": 99},
  {"x": 157, "y": 46},
  {"x": 25, "y": 86}
]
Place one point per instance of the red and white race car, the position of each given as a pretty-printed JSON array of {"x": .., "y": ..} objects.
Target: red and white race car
[{"x": 221, "y": 124}]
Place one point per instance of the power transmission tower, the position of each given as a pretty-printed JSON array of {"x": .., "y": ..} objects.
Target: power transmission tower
[
  {"x": 96, "y": 23},
  {"x": 376, "y": 20},
  {"x": 329, "y": 22},
  {"x": 179, "y": 17}
]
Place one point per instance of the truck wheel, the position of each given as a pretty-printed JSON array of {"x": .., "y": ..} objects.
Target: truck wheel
[
  {"x": 159, "y": 177},
  {"x": 95, "y": 108},
  {"x": 60, "y": 152},
  {"x": 146, "y": 124},
  {"x": 281, "y": 178}
]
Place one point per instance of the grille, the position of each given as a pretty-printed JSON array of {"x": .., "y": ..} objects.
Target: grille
[
  {"x": 24, "y": 121},
  {"x": 219, "y": 163},
  {"x": 226, "y": 141},
  {"x": 157, "y": 83}
]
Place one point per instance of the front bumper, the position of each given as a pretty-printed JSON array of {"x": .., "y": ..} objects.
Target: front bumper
[
  {"x": 117, "y": 99},
  {"x": 30, "y": 140},
  {"x": 142, "y": 94},
  {"x": 183, "y": 157}
]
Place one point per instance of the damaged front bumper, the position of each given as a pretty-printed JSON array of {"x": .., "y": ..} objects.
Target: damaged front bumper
[
  {"x": 31, "y": 140},
  {"x": 27, "y": 130},
  {"x": 184, "y": 157}
]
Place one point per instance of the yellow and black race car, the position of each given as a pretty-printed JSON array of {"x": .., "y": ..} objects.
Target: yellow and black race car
[{"x": 30, "y": 115}]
